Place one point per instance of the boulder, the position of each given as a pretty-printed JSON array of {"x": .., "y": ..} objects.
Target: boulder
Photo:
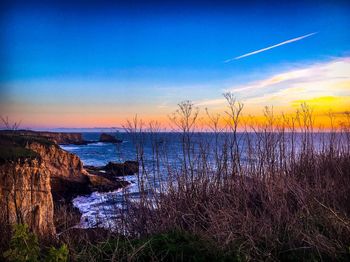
[
  {"x": 104, "y": 184},
  {"x": 122, "y": 169}
]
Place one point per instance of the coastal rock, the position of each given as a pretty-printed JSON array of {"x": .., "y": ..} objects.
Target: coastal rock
[
  {"x": 101, "y": 183},
  {"x": 68, "y": 177},
  {"x": 64, "y": 138},
  {"x": 25, "y": 195},
  {"x": 36, "y": 175},
  {"x": 122, "y": 169},
  {"x": 107, "y": 138},
  {"x": 113, "y": 169},
  {"x": 56, "y": 137}
]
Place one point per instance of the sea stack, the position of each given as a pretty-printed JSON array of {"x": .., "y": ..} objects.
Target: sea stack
[{"x": 107, "y": 138}]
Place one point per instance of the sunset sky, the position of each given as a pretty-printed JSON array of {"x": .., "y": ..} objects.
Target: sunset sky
[{"x": 97, "y": 63}]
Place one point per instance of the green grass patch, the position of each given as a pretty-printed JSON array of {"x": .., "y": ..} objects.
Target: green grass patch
[
  {"x": 15, "y": 152},
  {"x": 169, "y": 246},
  {"x": 13, "y": 146},
  {"x": 22, "y": 140}
]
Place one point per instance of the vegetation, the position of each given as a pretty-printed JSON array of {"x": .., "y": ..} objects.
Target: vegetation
[
  {"x": 13, "y": 145},
  {"x": 24, "y": 246},
  {"x": 278, "y": 190},
  {"x": 274, "y": 191},
  {"x": 15, "y": 152},
  {"x": 169, "y": 246}
]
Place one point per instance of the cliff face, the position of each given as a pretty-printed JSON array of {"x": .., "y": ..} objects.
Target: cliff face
[
  {"x": 59, "y": 162},
  {"x": 64, "y": 138},
  {"x": 34, "y": 172},
  {"x": 68, "y": 177},
  {"x": 25, "y": 195}
]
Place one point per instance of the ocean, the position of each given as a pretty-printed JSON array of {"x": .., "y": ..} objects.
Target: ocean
[{"x": 99, "y": 209}]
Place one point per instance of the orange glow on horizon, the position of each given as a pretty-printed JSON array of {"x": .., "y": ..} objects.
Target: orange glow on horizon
[{"x": 252, "y": 116}]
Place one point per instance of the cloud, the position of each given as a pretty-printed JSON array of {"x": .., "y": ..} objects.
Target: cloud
[
  {"x": 331, "y": 78},
  {"x": 283, "y": 90},
  {"x": 271, "y": 47}
]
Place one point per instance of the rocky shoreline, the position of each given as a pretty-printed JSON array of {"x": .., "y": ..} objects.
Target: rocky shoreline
[
  {"x": 36, "y": 176},
  {"x": 61, "y": 138},
  {"x": 113, "y": 169}
]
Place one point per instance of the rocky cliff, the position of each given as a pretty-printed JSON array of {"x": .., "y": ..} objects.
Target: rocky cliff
[
  {"x": 57, "y": 137},
  {"x": 35, "y": 173},
  {"x": 64, "y": 138},
  {"x": 68, "y": 177},
  {"x": 25, "y": 194}
]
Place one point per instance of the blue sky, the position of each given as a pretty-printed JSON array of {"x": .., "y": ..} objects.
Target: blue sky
[{"x": 147, "y": 57}]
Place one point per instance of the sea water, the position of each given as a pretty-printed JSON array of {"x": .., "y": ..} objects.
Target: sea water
[{"x": 100, "y": 209}]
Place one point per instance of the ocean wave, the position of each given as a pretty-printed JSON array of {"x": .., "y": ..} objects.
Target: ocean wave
[
  {"x": 98, "y": 144},
  {"x": 68, "y": 148}
]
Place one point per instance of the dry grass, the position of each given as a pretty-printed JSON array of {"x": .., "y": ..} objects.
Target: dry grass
[{"x": 277, "y": 191}]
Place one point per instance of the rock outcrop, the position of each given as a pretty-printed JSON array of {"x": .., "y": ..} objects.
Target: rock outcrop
[
  {"x": 107, "y": 138},
  {"x": 127, "y": 168},
  {"x": 104, "y": 183},
  {"x": 35, "y": 173},
  {"x": 68, "y": 177},
  {"x": 122, "y": 169},
  {"x": 25, "y": 195},
  {"x": 64, "y": 138}
]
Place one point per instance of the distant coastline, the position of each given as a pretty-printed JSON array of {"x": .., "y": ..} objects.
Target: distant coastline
[{"x": 81, "y": 129}]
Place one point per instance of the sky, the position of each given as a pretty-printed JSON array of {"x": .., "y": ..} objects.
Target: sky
[{"x": 98, "y": 63}]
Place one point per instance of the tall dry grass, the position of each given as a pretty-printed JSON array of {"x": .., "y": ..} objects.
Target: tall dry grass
[
  {"x": 268, "y": 191},
  {"x": 277, "y": 190}
]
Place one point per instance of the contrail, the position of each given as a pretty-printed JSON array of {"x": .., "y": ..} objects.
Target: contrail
[{"x": 270, "y": 47}]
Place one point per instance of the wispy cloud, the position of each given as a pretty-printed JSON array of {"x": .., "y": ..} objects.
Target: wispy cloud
[
  {"x": 325, "y": 78},
  {"x": 322, "y": 79},
  {"x": 271, "y": 47}
]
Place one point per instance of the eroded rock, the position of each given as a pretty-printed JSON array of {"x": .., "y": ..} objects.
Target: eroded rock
[
  {"x": 36, "y": 174},
  {"x": 127, "y": 168},
  {"x": 107, "y": 138}
]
